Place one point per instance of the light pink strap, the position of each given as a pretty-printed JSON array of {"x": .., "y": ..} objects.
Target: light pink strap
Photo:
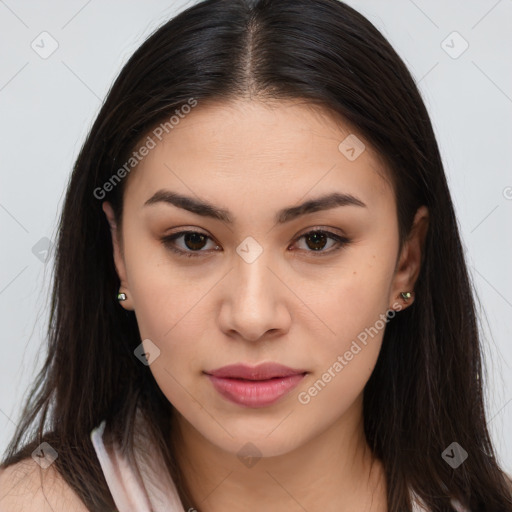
[
  {"x": 159, "y": 485},
  {"x": 124, "y": 483}
]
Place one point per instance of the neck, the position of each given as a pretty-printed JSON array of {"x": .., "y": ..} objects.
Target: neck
[{"x": 334, "y": 471}]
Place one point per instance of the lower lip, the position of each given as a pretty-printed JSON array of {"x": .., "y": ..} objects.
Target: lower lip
[{"x": 255, "y": 393}]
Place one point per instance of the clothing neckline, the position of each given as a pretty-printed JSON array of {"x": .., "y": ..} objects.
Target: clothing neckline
[
  {"x": 143, "y": 487},
  {"x": 147, "y": 486}
]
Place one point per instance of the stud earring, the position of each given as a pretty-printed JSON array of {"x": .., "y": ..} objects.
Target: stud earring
[
  {"x": 121, "y": 297},
  {"x": 406, "y": 296}
]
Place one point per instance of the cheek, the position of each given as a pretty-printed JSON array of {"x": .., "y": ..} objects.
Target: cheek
[
  {"x": 164, "y": 297},
  {"x": 168, "y": 307},
  {"x": 354, "y": 298},
  {"x": 342, "y": 363},
  {"x": 177, "y": 369},
  {"x": 341, "y": 367},
  {"x": 353, "y": 308}
]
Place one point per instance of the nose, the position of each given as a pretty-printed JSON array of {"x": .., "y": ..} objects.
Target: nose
[{"x": 255, "y": 302}]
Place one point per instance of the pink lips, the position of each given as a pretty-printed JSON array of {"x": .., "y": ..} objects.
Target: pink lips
[{"x": 255, "y": 386}]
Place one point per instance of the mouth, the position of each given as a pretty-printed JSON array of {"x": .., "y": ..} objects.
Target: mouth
[
  {"x": 263, "y": 371},
  {"x": 255, "y": 386}
]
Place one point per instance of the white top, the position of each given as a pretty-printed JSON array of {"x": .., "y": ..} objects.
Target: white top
[{"x": 148, "y": 486}]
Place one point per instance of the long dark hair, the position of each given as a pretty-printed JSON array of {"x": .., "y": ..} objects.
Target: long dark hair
[{"x": 426, "y": 389}]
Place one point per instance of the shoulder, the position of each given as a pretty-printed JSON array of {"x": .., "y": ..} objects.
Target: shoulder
[{"x": 26, "y": 487}]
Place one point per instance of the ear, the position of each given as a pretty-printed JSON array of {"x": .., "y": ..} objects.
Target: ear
[
  {"x": 118, "y": 255},
  {"x": 409, "y": 265}
]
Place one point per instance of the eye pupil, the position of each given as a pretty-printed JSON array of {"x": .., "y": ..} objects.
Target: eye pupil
[
  {"x": 193, "y": 239},
  {"x": 318, "y": 239}
]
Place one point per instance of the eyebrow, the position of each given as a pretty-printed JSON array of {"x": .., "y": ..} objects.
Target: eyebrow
[{"x": 205, "y": 209}]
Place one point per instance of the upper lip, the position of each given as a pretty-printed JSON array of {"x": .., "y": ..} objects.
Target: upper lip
[{"x": 261, "y": 371}]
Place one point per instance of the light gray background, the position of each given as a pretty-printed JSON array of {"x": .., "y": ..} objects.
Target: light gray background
[{"x": 48, "y": 105}]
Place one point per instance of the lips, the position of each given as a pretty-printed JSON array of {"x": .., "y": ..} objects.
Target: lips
[
  {"x": 255, "y": 386},
  {"x": 262, "y": 371}
]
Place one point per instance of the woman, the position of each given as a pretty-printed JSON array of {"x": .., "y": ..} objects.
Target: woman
[{"x": 261, "y": 299}]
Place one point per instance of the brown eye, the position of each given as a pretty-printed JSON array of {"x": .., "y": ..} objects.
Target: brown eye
[
  {"x": 193, "y": 243},
  {"x": 316, "y": 241}
]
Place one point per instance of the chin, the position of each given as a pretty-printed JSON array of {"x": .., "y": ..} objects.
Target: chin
[{"x": 259, "y": 447}]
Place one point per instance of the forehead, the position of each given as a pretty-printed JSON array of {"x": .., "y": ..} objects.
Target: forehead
[{"x": 277, "y": 152}]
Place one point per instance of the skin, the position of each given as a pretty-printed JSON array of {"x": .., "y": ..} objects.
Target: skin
[{"x": 290, "y": 305}]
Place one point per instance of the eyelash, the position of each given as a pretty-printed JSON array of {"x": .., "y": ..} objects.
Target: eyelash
[{"x": 341, "y": 241}]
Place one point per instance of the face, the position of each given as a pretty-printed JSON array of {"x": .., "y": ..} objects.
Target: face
[{"x": 264, "y": 279}]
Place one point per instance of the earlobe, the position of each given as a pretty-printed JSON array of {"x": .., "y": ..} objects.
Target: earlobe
[{"x": 118, "y": 257}]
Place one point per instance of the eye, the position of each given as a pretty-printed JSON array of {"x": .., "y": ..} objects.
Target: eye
[
  {"x": 194, "y": 241},
  {"x": 317, "y": 238}
]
